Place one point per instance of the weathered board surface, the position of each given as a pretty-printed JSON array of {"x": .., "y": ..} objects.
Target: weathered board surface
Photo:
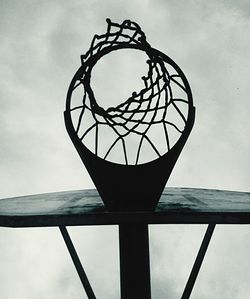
[{"x": 85, "y": 207}]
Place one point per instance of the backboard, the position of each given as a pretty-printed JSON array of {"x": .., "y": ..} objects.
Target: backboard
[{"x": 85, "y": 207}]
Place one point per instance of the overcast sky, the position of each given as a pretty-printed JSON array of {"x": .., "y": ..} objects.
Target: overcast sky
[{"x": 41, "y": 44}]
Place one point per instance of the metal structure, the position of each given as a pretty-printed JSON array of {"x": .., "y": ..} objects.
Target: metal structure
[
  {"x": 165, "y": 103},
  {"x": 85, "y": 207},
  {"x": 158, "y": 105},
  {"x": 129, "y": 190}
]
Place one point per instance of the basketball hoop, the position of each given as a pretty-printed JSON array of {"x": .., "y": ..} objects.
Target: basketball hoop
[
  {"x": 131, "y": 187},
  {"x": 165, "y": 103}
]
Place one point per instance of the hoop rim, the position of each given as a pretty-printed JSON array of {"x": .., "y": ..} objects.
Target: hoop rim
[{"x": 151, "y": 52}]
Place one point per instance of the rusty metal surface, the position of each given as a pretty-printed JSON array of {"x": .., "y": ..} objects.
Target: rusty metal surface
[{"x": 85, "y": 207}]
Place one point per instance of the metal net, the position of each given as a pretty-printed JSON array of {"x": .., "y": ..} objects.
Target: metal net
[{"x": 151, "y": 119}]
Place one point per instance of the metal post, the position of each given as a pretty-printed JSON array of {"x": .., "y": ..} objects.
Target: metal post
[
  {"x": 77, "y": 263},
  {"x": 134, "y": 261},
  {"x": 197, "y": 264}
]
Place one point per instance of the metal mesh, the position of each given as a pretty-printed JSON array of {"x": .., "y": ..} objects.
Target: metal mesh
[{"x": 162, "y": 103}]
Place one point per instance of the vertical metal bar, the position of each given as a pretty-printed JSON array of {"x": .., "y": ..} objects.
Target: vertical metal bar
[
  {"x": 77, "y": 263},
  {"x": 197, "y": 264},
  {"x": 134, "y": 261}
]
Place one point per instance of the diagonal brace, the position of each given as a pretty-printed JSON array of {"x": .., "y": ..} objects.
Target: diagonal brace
[
  {"x": 77, "y": 263},
  {"x": 198, "y": 262}
]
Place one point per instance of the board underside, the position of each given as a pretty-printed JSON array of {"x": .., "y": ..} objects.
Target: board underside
[{"x": 85, "y": 207}]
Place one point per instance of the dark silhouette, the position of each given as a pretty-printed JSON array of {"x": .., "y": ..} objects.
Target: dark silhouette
[
  {"x": 131, "y": 188},
  {"x": 131, "y": 185}
]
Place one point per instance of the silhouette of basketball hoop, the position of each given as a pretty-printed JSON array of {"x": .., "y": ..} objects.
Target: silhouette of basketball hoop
[
  {"x": 165, "y": 103},
  {"x": 131, "y": 189}
]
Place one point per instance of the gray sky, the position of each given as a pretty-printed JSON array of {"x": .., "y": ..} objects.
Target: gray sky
[{"x": 41, "y": 44}]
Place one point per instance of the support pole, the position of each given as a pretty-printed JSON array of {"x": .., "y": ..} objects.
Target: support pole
[
  {"x": 77, "y": 263},
  {"x": 197, "y": 264},
  {"x": 134, "y": 261}
]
